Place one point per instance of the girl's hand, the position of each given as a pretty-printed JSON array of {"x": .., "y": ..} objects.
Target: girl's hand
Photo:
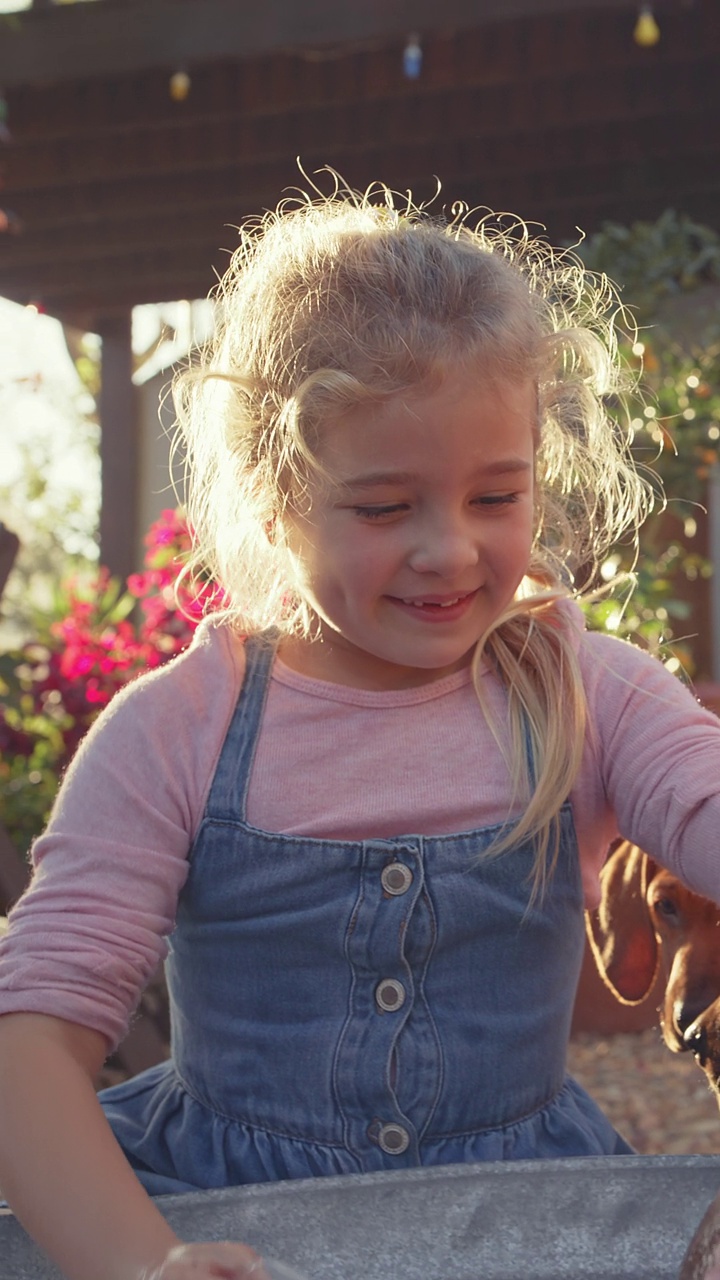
[{"x": 224, "y": 1260}]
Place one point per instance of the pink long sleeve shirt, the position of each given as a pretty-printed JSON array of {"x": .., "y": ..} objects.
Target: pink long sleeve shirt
[{"x": 332, "y": 762}]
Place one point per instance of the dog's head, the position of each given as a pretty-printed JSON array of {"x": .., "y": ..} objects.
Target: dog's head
[{"x": 649, "y": 923}]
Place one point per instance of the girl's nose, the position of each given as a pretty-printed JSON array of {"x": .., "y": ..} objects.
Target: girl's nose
[{"x": 446, "y": 550}]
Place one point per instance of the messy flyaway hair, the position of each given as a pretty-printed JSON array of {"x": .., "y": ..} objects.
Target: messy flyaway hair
[{"x": 349, "y": 299}]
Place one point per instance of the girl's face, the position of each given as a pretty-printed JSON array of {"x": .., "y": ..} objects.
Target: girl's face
[{"x": 423, "y": 537}]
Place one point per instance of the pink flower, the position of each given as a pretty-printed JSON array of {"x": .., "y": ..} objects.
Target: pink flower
[{"x": 97, "y": 646}]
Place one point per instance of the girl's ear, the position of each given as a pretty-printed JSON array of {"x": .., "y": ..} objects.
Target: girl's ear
[{"x": 620, "y": 932}]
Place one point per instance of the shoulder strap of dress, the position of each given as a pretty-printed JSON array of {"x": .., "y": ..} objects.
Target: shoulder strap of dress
[{"x": 228, "y": 792}]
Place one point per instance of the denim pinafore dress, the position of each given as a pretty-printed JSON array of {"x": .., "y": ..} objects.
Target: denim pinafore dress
[{"x": 346, "y": 1007}]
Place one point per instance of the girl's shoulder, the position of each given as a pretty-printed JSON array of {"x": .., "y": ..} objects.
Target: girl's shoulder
[
  {"x": 605, "y": 651},
  {"x": 167, "y": 724},
  {"x": 207, "y": 672},
  {"x": 616, "y": 672}
]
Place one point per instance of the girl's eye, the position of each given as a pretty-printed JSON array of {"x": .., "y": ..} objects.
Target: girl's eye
[
  {"x": 377, "y": 513},
  {"x": 497, "y": 499}
]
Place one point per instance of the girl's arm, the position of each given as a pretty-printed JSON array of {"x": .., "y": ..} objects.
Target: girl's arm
[
  {"x": 655, "y": 753},
  {"x": 65, "y": 1176}
]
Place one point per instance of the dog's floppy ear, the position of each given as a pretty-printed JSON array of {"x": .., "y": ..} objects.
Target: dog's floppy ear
[{"x": 620, "y": 932}]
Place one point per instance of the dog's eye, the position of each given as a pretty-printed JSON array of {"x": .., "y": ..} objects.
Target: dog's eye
[{"x": 666, "y": 908}]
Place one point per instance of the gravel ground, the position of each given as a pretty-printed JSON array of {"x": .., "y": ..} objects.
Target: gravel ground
[{"x": 659, "y": 1101}]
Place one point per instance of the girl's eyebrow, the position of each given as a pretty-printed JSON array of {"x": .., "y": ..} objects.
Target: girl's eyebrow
[{"x": 376, "y": 479}]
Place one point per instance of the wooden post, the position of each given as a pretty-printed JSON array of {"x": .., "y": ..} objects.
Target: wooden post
[
  {"x": 14, "y": 872},
  {"x": 119, "y": 447},
  {"x": 9, "y": 546}
]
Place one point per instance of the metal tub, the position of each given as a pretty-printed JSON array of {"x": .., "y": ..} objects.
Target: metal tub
[{"x": 611, "y": 1218}]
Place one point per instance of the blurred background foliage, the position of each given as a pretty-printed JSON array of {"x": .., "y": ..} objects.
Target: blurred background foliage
[
  {"x": 50, "y": 487},
  {"x": 94, "y": 639},
  {"x": 669, "y": 275}
]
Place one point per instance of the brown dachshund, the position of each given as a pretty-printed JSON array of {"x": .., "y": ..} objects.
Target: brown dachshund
[{"x": 648, "y": 921}]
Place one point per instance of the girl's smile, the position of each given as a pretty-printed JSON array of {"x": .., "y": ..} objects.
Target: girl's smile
[
  {"x": 421, "y": 539},
  {"x": 438, "y": 608}
]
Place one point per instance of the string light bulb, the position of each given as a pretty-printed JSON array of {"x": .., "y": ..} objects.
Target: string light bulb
[
  {"x": 10, "y": 223},
  {"x": 647, "y": 31},
  {"x": 180, "y": 84},
  {"x": 412, "y": 57}
]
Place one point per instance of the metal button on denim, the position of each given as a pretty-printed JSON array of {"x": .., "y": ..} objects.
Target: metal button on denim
[
  {"x": 394, "y": 1139},
  {"x": 389, "y": 995},
  {"x": 396, "y": 878}
]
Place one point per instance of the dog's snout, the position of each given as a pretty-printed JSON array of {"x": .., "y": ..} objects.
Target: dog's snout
[
  {"x": 696, "y": 1041},
  {"x": 685, "y": 1015}
]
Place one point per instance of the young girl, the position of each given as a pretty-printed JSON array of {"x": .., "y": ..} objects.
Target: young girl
[{"x": 372, "y": 799}]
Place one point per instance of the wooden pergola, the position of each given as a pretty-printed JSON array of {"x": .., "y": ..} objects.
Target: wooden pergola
[{"x": 119, "y": 194}]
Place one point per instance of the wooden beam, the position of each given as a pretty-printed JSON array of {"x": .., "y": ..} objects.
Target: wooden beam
[
  {"x": 560, "y": 197},
  {"x": 124, "y": 196},
  {"x": 117, "y": 116},
  {"x": 71, "y": 42},
  {"x": 49, "y": 262},
  {"x": 624, "y": 175},
  {"x": 225, "y": 137},
  {"x": 76, "y": 217}
]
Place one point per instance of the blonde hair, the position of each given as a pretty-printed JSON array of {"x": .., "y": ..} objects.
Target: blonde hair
[{"x": 351, "y": 299}]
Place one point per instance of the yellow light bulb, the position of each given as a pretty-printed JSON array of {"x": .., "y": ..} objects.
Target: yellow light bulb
[
  {"x": 647, "y": 31},
  {"x": 179, "y": 86}
]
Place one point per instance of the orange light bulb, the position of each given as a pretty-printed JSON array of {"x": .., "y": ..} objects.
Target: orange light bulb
[{"x": 179, "y": 86}]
